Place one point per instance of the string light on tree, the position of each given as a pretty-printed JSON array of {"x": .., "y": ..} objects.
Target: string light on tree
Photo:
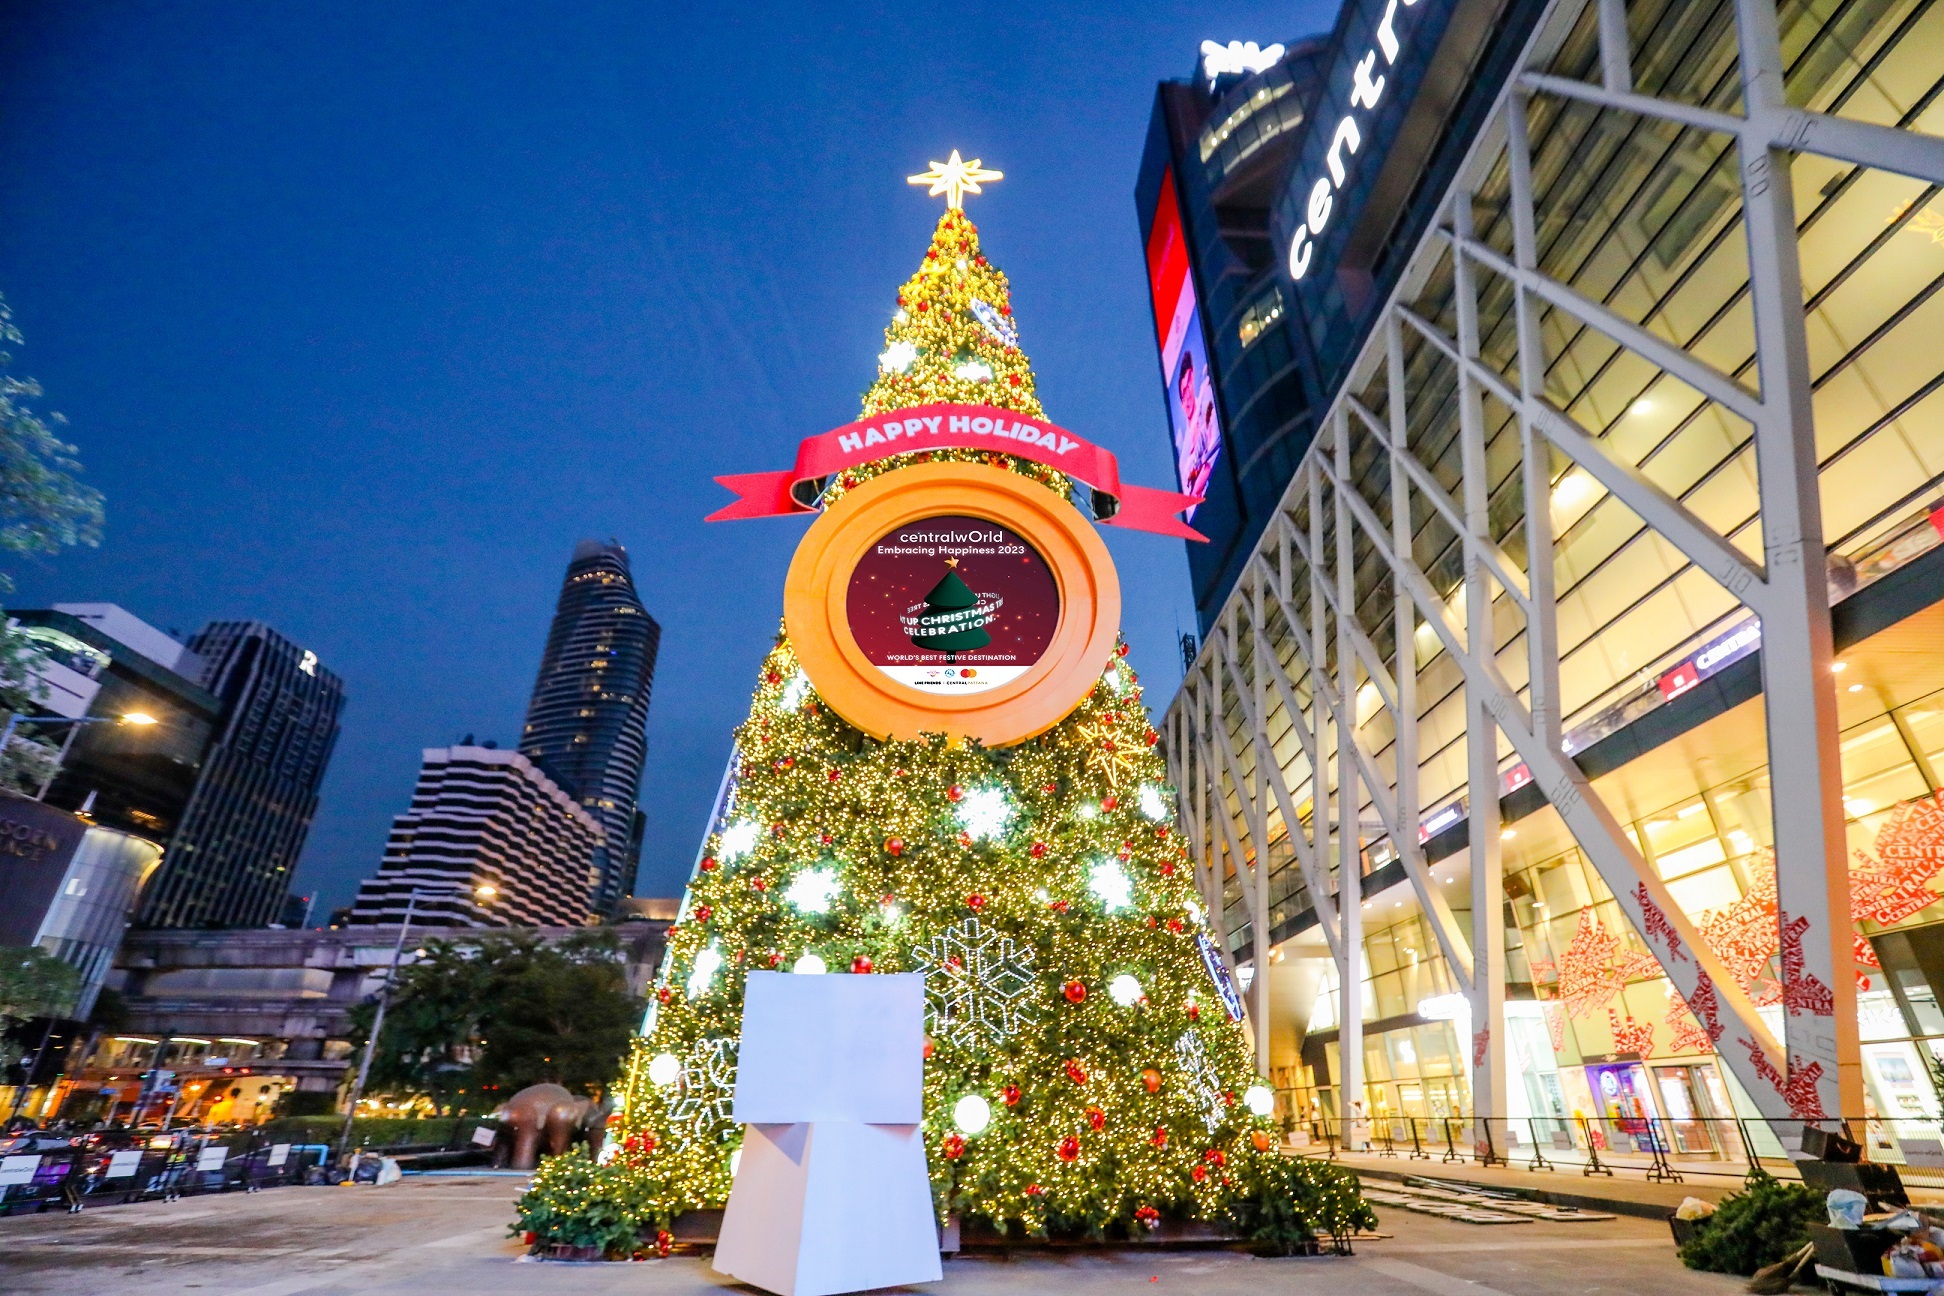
[{"x": 1005, "y": 876}]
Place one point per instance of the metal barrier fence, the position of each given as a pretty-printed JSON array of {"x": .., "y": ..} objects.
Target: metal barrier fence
[
  {"x": 1663, "y": 1150},
  {"x": 161, "y": 1166}
]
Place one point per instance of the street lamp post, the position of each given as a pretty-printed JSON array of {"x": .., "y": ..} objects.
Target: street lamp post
[{"x": 377, "y": 1025}]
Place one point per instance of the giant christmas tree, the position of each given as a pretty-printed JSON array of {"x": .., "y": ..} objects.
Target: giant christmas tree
[{"x": 1083, "y": 1074}]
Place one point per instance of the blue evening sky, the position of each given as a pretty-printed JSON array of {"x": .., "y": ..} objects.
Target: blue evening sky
[{"x": 363, "y": 313}]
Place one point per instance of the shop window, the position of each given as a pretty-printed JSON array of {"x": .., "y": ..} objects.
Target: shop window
[{"x": 1699, "y": 892}]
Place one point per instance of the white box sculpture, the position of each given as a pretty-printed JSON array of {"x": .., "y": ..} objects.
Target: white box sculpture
[{"x": 832, "y": 1193}]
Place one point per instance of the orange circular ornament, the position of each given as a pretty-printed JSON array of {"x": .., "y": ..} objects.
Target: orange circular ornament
[{"x": 952, "y": 598}]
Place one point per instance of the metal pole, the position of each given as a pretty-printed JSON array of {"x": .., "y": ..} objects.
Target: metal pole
[{"x": 377, "y": 1025}]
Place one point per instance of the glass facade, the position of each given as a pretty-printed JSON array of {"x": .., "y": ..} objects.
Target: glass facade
[{"x": 1529, "y": 554}]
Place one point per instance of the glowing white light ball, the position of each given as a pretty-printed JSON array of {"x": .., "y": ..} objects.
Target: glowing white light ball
[
  {"x": 1154, "y": 804},
  {"x": 809, "y": 965},
  {"x": 1110, "y": 885},
  {"x": 738, "y": 840},
  {"x": 1259, "y": 1099},
  {"x": 984, "y": 812},
  {"x": 812, "y": 890},
  {"x": 972, "y": 1114},
  {"x": 1124, "y": 990},
  {"x": 707, "y": 963},
  {"x": 665, "y": 1068}
]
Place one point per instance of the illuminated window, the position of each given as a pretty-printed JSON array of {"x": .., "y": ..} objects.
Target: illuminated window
[
  {"x": 1215, "y": 136},
  {"x": 1261, "y": 313}
]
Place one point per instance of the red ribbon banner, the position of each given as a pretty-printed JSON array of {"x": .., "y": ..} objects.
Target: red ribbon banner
[{"x": 957, "y": 427}]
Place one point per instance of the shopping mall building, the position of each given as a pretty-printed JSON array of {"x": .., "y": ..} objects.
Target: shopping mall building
[{"x": 1563, "y": 380}]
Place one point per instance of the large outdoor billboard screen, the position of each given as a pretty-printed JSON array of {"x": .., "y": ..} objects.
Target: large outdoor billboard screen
[{"x": 1192, "y": 418}]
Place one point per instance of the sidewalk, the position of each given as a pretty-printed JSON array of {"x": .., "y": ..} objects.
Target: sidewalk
[{"x": 1626, "y": 1192}]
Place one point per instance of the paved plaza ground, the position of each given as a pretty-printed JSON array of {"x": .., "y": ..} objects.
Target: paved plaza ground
[{"x": 440, "y": 1236}]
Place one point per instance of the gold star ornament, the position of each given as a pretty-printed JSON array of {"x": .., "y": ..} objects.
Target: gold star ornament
[{"x": 955, "y": 178}]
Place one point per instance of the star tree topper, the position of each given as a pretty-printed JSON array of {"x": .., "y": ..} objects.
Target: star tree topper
[{"x": 955, "y": 178}]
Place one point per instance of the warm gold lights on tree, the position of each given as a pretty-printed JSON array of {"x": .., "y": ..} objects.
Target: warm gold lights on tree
[{"x": 1082, "y": 1073}]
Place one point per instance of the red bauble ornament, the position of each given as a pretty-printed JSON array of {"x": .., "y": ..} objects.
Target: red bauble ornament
[
  {"x": 1228, "y": 1096},
  {"x": 1069, "y": 1149},
  {"x": 702, "y": 913},
  {"x": 1160, "y": 1138},
  {"x": 954, "y": 1147},
  {"x": 1034, "y": 1190},
  {"x": 924, "y": 306},
  {"x": 1075, "y": 1072},
  {"x": 774, "y": 678},
  {"x": 1174, "y": 925},
  {"x": 894, "y": 846},
  {"x": 1110, "y": 802},
  {"x": 955, "y": 793},
  {"x": 862, "y": 963},
  {"x": 930, "y": 1048},
  {"x": 1120, "y": 650},
  {"x": 708, "y": 863},
  {"x": 1058, "y": 906},
  {"x": 1011, "y": 1095},
  {"x": 965, "y": 839},
  {"x": 1198, "y": 1174},
  {"x": 1194, "y": 1012},
  {"x": 1152, "y": 1079},
  {"x": 1049, "y": 788},
  {"x": 1037, "y": 850},
  {"x": 1096, "y": 1118},
  {"x": 775, "y": 959},
  {"x": 850, "y": 482},
  {"x": 1152, "y": 922},
  {"x": 1015, "y": 382},
  {"x": 888, "y": 898},
  {"x": 1167, "y": 869},
  {"x": 826, "y": 839},
  {"x": 665, "y": 994},
  {"x": 975, "y": 903},
  {"x": 761, "y": 884},
  {"x": 1161, "y": 833},
  {"x": 1214, "y": 1157},
  {"x": 664, "y": 1242},
  {"x": 1152, "y": 737},
  {"x": 1150, "y": 1218},
  {"x": 1075, "y": 991},
  {"x": 836, "y": 776}
]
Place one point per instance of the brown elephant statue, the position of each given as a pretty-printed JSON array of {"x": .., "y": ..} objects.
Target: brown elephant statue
[{"x": 547, "y": 1118}]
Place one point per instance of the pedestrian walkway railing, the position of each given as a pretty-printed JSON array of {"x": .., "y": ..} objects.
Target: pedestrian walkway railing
[
  {"x": 1656, "y": 1148},
  {"x": 112, "y": 1169}
]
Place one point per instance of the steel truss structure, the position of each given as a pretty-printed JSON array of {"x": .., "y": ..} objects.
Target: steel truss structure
[{"x": 1265, "y": 739}]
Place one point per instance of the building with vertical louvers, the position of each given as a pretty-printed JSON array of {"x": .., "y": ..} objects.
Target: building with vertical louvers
[
  {"x": 230, "y": 859},
  {"x": 587, "y": 723},
  {"x": 490, "y": 841}
]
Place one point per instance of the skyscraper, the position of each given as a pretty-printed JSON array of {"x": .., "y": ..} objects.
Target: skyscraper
[
  {"x": 587, "y": 723},
  {"x": 489, "y": 841},
  {"x": 230, "y": 860}
]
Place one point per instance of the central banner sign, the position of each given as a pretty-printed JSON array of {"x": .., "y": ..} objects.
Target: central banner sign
[
  {"x": 952, "y": 598},
  {"x": 953, "y": 604}
]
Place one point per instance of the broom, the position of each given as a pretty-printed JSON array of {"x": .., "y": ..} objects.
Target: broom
[{"x": 1771, "y": 1280}]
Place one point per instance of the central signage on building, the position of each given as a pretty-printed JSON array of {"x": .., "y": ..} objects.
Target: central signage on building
[{"x": 1366, "y": 88}]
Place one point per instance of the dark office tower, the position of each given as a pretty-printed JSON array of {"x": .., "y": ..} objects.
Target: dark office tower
[
  {"x": 230, "y": 860},
  {"x": 587, "y": 724}
]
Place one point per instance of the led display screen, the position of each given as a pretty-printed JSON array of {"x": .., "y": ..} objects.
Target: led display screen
[{"x": 1192, "y": 419}]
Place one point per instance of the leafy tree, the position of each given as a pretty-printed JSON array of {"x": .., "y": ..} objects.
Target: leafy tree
[
  {"x": 560, "y": 1012},
  {"x": 33, "y": 983},
  {"x": 500, "y": 1011},
  {"x": 44, "y": 509}
]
